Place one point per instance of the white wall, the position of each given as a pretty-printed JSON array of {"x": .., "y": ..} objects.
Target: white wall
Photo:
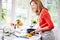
[
  {"x": 57, "y": 28},
  {"x": 13, "y": 11},
  {"x": 0, "y": 10},
  {"x": 59, "y": 21}
]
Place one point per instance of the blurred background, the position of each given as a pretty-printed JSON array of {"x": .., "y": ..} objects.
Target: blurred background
[{"x": 13, "y": 10}]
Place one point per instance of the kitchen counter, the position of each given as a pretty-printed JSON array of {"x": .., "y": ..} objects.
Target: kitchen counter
[{"x": 14, "y": 36}]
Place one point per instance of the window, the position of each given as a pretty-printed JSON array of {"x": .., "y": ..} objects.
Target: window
[
  {"x": 6, "y": 10},
  {"x": 52, "y": 6},
  {"x": 20, "y": 9}
]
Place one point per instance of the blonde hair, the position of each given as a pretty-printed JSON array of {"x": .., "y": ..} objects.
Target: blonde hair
[{"x": 39, "y": 5}]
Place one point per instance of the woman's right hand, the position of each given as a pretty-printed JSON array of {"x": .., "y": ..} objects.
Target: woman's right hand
[{"x": 33, "y": 32}]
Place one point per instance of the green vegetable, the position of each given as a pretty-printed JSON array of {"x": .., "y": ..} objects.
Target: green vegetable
[
  {"x": 6, "y": 32},
  {"x": 33, "y": 21},
  {"x": 18, "y": 20},
  {"x": 3, "y": 14}
]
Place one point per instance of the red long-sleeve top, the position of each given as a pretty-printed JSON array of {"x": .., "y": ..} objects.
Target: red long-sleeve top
[{"x": 45, "y": 20}]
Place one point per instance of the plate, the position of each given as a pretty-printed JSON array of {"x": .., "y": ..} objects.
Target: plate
[{"x": 21, "y": 39}]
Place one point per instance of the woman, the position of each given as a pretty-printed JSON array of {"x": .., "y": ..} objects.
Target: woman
[{"x": 45, "y": 22}]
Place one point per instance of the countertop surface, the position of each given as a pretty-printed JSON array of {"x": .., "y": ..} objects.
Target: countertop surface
[{"x": 14, "y": 36}]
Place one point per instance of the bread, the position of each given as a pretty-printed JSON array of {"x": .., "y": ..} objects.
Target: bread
[{"x": 28, "y": 35}]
